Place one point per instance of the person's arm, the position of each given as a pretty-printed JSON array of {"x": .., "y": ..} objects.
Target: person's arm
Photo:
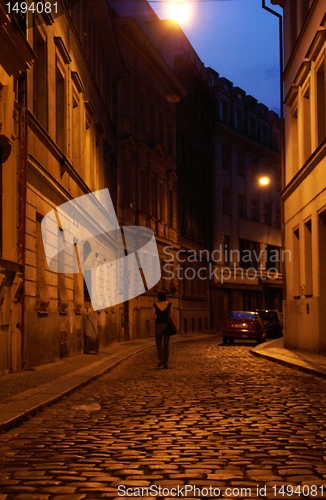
[
  {"x": 154, "y": 313},
  {"x": 171, "y": 311}
]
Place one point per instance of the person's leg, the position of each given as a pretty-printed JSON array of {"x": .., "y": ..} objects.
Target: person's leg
[
  {"x": 166, "y": 341},
  {"x": 159, "y": 329}
]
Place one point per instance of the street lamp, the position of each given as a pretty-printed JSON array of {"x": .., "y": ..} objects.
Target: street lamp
[
  {"x": 179, "y": 11},
  {"x": 264, "y": 181}
]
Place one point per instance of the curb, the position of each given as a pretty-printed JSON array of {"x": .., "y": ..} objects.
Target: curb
[
  {"x": 290, "y": 364},
  {"x": 37, "y": 407},
  {"x": 15, "y": 413}
]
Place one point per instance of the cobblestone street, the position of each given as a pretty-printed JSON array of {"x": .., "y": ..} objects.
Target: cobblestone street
[{"x": 218, "y": 421}]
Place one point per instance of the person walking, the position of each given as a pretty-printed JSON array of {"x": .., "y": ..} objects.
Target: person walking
[{"x": 162, "y": 310}]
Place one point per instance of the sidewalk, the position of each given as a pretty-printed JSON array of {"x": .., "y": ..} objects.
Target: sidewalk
[
  {"x": 25, "y": 393},
  {"x": 274, "y": 350}
]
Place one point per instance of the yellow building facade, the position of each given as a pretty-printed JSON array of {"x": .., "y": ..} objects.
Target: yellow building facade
[
  {"x": 16, "y": 57},
  {"x": 304, "y": 194},
  {"x": 58, "y": 142}
]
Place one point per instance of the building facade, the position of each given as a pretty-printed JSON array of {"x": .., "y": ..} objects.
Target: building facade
[
  {"x": 60, "y": 145},
  {"x": 303, "y": 197},
  {"x": 166, "y": 124},
  {"x": 16, "y": 58},
  {"x": 247, "y": 227},
  {"x": 71, "y": 152},
  {"x": 195, "y": 123},
  {"x": 196, "y": 116},
  {"x": 147, "y": 175}
]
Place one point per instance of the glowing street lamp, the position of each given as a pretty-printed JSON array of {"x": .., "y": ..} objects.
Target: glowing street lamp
[
  {"x": 264, "y": 181},
  {"x": 179, "y": 11}
]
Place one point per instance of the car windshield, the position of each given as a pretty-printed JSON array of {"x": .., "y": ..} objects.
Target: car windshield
[
  {"x": 243, "y": 315},
  {"x": 268, "y": 315}
]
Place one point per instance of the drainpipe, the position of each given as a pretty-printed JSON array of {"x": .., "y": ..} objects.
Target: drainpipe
[
  {"x": 22, "y": 170},
  {"x": 280, "y": 33},
  {"x": 281, "y": 56}
]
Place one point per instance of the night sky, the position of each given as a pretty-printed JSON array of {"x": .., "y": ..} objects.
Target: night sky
[{"x": 240, "y": 40}]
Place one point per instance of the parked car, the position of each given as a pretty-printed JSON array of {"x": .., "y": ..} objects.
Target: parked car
[
  {"x": 243, "y": 325},
  {"x": 272, "y": 322}
]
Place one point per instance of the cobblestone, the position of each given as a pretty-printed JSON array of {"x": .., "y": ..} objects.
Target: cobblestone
[{"x": 217, "y": 417}]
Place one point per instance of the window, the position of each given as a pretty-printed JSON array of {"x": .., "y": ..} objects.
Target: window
[
  {"x": 154, "y": 197},
  {"x": 75, "y": 131},
  {"x": 254, "y": 168},
  {"x": 249, "y": 254},
  {"x": 226, "y": 250},
  {"x": 143, "y": 192},
  {"x": 306, "y": 112},
  {"x": 296, "y": 263},
  {"x": 267, "y": 213},
  {"x": 321, "y": 107},
  {"x": 252, "y": 127},
  {"x": 78, "y": 287},
  {"x": 225, "y": 157},
  {"x": 42, "y": 293},
  {"x": 88, "y": 151},
  {"x": 171, "y": 208},
  {"x": 273, "y": 258},
  {"x": 238, "y": 119},
  {"x": 293, "y": 140},
  {"x": 255, "y": 215},
  {"x": 40, "y": 96},
  {"x": 241, "y": 205},
  {"x": 60, "y": 110},
  {"x": 308, "y": 258},
  {"x": 192, "y": 218},
  {"x": 241, "y": 164},
  {"x": 183, "y": 216},
  {"x": 87, "y": 256},
  {"x": 98, "y": 158},
  {"x": 264, "y": 135},
  {"x": 161, "y": 204},
  {"x": 226, "y": 200},
  {"x": 224, "y": 110},
  {"x": 63, "y": 299}
]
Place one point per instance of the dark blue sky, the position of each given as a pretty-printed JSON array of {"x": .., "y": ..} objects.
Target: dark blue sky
[{"x": 240, "y": 40}]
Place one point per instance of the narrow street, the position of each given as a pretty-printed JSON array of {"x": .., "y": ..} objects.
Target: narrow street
[{"x": 218, "y": 422}]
